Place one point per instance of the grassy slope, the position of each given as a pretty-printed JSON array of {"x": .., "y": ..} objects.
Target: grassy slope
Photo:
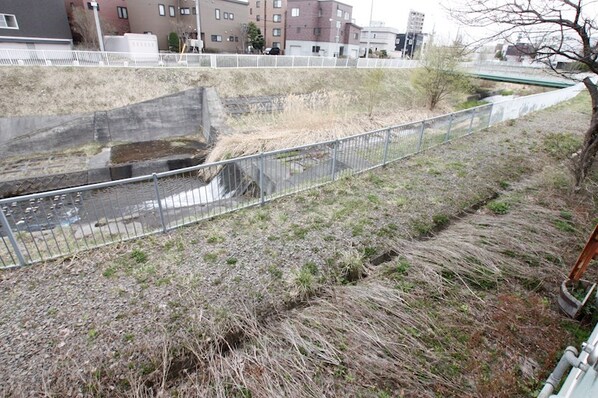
[
  {"x": 470, "y": 312},
  {"x": 49, "y": 91}
]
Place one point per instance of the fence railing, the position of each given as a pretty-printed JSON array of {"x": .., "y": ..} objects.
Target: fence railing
[
  {"x": 24, "y": 57},
  {"x": 59, "y": 223}
]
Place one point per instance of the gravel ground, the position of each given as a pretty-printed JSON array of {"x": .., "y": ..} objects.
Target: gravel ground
[{"x": 104, "y": 313}]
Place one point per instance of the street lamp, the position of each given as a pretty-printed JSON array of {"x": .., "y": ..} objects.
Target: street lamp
[
  {"x": 199, "y": 41},
  {"x": 94, "y": 5},
  {"x": 367, "y": 46}
]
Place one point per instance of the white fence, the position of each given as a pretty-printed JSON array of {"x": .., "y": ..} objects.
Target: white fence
[{"x": 186, "y": 60}]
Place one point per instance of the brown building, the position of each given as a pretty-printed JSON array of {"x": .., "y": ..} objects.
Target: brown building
[
  {"x": 221, "y": 21},
  {"x": 271, "y": 17},
  {"x": 322, "y": 27},
  {"x": 114, "y": 16}
]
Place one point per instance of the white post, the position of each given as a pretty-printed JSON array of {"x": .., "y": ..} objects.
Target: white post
[
  {"x": 237, "y": 61},
  {"x": 94, "y": 5},
  {"x": 197, "y": 20},
  {"x": 293, "y": 61},
  {"x": 367, "y": 46}
]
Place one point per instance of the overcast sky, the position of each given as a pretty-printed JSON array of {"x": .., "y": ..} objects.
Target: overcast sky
[{"x": 395, "y": 13}]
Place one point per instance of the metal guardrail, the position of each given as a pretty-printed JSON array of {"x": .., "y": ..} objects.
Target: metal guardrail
[
  {"x": 48, "y": 225},
  {"x": 24, "y": 57}
]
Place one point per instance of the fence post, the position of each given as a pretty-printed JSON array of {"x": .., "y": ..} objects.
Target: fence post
[
  {"x": 490, "y": 115},
  {"x": 261, "y": 167},
  {"x": 421, "y": 137},
  {"x": 11, "y": 238},
  {"x": 386, "y": 142},
  {"x": 292, "y": 61},
  {"x": 213, "y": 64},
  {"x": 334, "y": 152},
  {"x": 44, "y": 57},
  {"x": 275, "y": 60},
  {"x": 155, "y": 178},
  {"x": 448, "y": 130},
  {"x": 471, "y": 121},
  {"x": 347, "y": 62},
  {"x": 238, "y": 59}
]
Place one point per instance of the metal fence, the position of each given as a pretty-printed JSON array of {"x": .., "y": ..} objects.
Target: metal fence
[
  {"x": 49, "y": 225},
  {"x": 24, "y": 57}
]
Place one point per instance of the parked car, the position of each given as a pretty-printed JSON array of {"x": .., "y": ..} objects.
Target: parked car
[{"x": 272, "y": 51}]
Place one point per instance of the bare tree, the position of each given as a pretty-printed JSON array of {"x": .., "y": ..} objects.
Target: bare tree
[
  {"x": 83, "y": 25},
  {"x": 564, "y": 29}
]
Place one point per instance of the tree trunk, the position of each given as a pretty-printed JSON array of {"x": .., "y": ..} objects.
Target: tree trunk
[{"x": 583, "y": 163}]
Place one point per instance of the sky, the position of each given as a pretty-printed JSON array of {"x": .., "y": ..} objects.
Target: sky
[{"x": 395, "y": 13}]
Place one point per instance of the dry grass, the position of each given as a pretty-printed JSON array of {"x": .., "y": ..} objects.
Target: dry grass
[{"x": 306, "y": 119}]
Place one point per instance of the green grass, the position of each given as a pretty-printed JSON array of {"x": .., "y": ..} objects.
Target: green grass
[
  {"x": 470, "y": 104},
  {"x": 139, "y": 256},
  {"x": 561, "y": 145},
  {"x": 498, "y": 207}
]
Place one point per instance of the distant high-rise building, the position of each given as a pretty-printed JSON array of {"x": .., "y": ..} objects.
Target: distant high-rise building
[
  {"x": 415, "y": 27},
  {"x": 415, "y": 23}
]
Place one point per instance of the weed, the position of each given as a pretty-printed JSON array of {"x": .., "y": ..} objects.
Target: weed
[
  {"x": 139, "y": 256},
  {"x": 374, "y": 199},
  {"x": 92, "y": 334},
  {"x": 275, "y": 272},
  {"x": 128, "y": 337},
  {"x": 567, "y": 215},
  {"x": 498, "y": 207},
  {"x": 109, "y": 272},
  {"x": 369, "y": 252},
  {"x": 231, "y": 261},
  {"x": 423, "y": 227},
  {"x": 305, "y": 279},
  {"x": 504, "y": 184},
  {"x": 299, "y": 232},
  {"x": 210, "y": 257},
  {"x": 561, "y": 145},
  {"x": 163, "y": 281},
  {"x": 470, "y": 104},
  {"x": 564, "y": 226},
  {"x": 215, "y": 239},
  {"x": 440, "y": 220}
]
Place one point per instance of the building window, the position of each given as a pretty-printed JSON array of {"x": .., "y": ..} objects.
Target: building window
[
  {"x": 225, "y": 15},
  {"x": 298, "y": 29},
  {"x": 250, "y": 11},
  {"x": 171, "y": 11},
  {"x": 217, "y": 13},
  {"x": 257, "y": 18},
  {"x": 277, "y": 18},
  {"x": 231, "y": 38},
  {"x": 122, "y": 12},
  {"x": 346, "y": 16},
  {"x": 315, "y": 49},
  {"x": 336, "y": 39},
  {"x": 277, "y": 4},
  {"x": 338, "y": 24},
  {"x": 185, "y": 11},
  {"x": 276, "y": 32},
  {"x": 317, "y": 31},
  {"x": 236, "y": 39},
  {"x": 356, "y": 36},
  {"x": 319, "y": 12},
  {"x": 161, "y": 9},
  {"x": 276, "y": 44},
  {"x": 257, "y": 4},
  {"x": 216, "y": 38},
  {"x": 231, "y": 16},
  {"x": 294, "y": 12},
  {"x": 339, "y": 13},
  {"x": 8, "y": 21},
  {"x": 194, "y": 10}
]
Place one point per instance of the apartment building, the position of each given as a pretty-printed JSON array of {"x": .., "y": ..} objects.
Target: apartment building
[
  {"x": 271, "y": 17},
  {"x": 34, "y": 24},
  {"x": 322, "y": 27},
  {"x": 113, "y": 14},
  {"x": 378, "y": 37},
  {"x": 220, "y": 20}
]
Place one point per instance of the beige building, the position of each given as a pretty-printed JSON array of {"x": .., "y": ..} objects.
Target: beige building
[
  {"x": 271, "y": 17},
  {"x": 221, "y": 21}
]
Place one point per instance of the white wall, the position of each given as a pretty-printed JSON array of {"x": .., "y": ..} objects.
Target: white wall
[{"x": 298, "y": 47}]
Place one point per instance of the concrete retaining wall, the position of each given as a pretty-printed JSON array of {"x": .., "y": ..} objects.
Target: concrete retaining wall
[{"x": 180, "y": 114}]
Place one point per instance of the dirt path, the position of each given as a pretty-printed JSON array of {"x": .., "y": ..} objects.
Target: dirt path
[{"x": 127, "y": 315}]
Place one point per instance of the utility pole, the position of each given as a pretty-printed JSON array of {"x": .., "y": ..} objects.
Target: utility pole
[
  {"x": 94, "y": 5},
  {"x": 197, "y": 19},
  {"x": 367, "y": 46}
]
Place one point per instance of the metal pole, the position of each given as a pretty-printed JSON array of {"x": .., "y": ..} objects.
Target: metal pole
[
  {"x": 198, "y": 22},
  {"x": 367, "y": 46},
  {"x": 261, "y": 167},
  {"x": 448, "y": 130},
  {"x": 155, "y": 177},
  {"x": 421, "y": 137},
  {"x": 386, "y": 142},
  {"x": 334, "y": 151},
  {"x": 94, "y": 5},
  {"x": 11, "y": 238},
  {"x": 471, "y": 121}
]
